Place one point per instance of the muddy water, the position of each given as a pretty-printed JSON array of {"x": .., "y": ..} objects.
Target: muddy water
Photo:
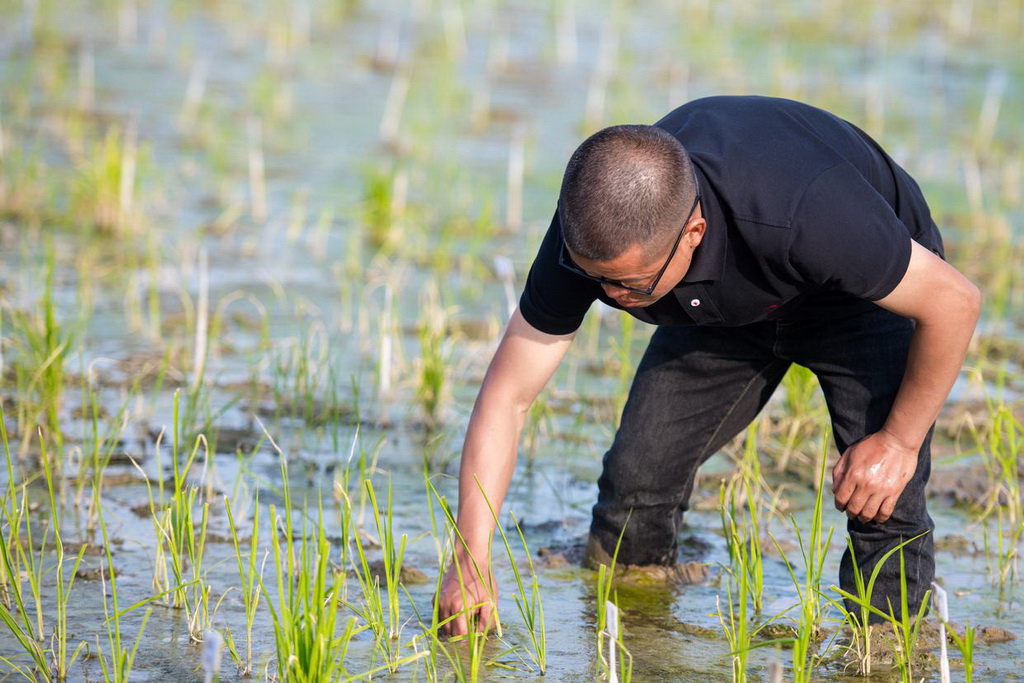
[{"x": 311, "y": 274}]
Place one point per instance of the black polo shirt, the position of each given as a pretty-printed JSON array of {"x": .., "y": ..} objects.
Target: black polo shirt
[{"x": 806, "y": 216}]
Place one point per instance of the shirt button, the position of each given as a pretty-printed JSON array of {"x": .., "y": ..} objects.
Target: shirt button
[{"x": 694, "y": 302}]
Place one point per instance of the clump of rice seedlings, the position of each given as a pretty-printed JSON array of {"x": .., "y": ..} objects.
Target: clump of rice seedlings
[
  {"x": 104, "y": 192},
  {"x": 49, "y": 655},
  {"x": 744, "y": 540},
  {"x": 304, "y": 379},
  {"x": 42, "y": 345},
  {"x": 433, "y": 363},
  {"x": 529, "y": 602},
  {"x": 802, "y": 413},
  {"x": 25, "y": 193},
  {"x": 905, "y": 628},
  {"x": 805, "y": 654},
  {"x": 1002, "y": 449},
  {"x": 250, "y": 577},
  {"x": 465, "y": 667},
  {"x": 181, "y": 535},
  {"x": 744, "y": 576},
  {"x": 304, "y": 609},
  {"x": 385, "y": 194},
  {"x": 384, "y": 621}
]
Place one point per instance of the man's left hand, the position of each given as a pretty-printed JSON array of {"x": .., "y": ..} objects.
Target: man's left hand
[{"x": 870, "y": 476}]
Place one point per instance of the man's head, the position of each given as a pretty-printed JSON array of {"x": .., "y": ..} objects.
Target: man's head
[{"x": 626, "y": 203}]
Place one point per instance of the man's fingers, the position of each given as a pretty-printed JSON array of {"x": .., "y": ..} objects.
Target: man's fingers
[
  {"x": 839, "y": 473},
  {"x": 844, "y": 494},
  {"x": 869, "y": 510},
  {"x": 886, "y": 509}
]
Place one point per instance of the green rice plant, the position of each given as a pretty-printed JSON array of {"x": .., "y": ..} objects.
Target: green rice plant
[
  {"x": 384, "y": 200},
  {"x": 384, "y": 620},
  {"x": 122, "y": 657},
  {"x": 180, "y": 534},
  {"x": 805, "y": 655},
  {"x": 905, "y": 627},
  {"x": 1002, "y": 449},
  {"x": 250, "y": 577},
  {"x": 304, "y": 609},
  {"x": 20, "y": 564},
  {"x": 105, "y": 188},
  {"x": 744, "y": 564},
  {"x": 25, "y": 193},
  {"x": 802, "y": 412},
  {"x": 466, "y": 668},
  {"x": 43, "y": 345},
  {"x": 606, "y": 596},
  {"x": 434, "y": 355},
  {"x": 964, "y": 643},
  {"x": 530, "y": 605}
]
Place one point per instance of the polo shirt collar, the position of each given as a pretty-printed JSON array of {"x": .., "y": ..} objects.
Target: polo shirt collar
[{"x": 709, "y": 257}]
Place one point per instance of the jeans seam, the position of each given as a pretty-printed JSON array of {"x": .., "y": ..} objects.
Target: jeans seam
[{"x": 704, "y": 454}]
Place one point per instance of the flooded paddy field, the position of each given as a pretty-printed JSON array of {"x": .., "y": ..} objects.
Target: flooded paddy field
[{"x": 255, "y": 257}]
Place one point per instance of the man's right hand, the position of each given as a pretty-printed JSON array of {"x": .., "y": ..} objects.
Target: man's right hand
[{"x": 471, "y": 602}]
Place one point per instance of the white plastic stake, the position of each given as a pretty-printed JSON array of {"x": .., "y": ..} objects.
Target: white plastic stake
[
  {"x": 941, "y": 604},
  {"x": 211, "y": 655},
  {"x": 506, "y": 272},
  {"x": 612, "y": 629}
]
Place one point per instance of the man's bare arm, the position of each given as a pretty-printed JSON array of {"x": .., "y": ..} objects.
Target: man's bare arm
[
  {"x": 524, "y": 362},
  {"x": 871, "y": 474}
]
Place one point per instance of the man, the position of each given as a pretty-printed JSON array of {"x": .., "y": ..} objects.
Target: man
[{"x": 755, "y": 232}]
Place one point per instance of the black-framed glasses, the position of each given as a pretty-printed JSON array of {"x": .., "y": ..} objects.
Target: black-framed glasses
[{"x": 566, "y": 262}]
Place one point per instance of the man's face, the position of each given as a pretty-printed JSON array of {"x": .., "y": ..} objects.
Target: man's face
[{"x": 637, "y": 269}]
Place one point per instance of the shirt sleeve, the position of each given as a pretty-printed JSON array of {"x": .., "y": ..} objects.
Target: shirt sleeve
[
  {"x": 554, "y": 300},
  {"x": 847, "y": 237}
]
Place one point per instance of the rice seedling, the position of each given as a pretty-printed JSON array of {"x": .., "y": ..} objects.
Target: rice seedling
[
  {"x": 104, "y": 192},
  {"x": 1001, "y": 446},
  {"x": 434, "y": 354},
  {"x": 468, "y": 667},
  {"x": 20, "y": 564},
  {"x": 744, "y": 584},
  {"x": 43, "y": 345},
  {"x": 384, "y": 620},
  {"x": 250, "y": 577},
  {"x": 304, "y": 609},
  {"x": 121, "y": 657},
  {"x": 615, "y": 636},
  {"x": 805, "y": 655},
  {"x": 385, "y": 191},
  {"x": 529, "y": 602},
  {"x": 905, "y": 627},
  {"x": 181, "y": 536},
  {"x": 964, "y": 643},
  {"x": 802, "y": 412}
]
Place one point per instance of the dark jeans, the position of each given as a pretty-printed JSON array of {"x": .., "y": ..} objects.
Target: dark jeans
[{"x": 697, "y": 387}]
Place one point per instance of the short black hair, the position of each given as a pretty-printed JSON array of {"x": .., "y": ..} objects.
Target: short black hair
[{"x": 625, "y": 185}]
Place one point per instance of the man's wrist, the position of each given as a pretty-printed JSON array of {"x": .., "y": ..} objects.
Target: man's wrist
[{"x": 901, "y": 442}]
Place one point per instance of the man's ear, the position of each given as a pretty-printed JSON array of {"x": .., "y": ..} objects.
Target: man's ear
[{"x": 694, "y": 232}]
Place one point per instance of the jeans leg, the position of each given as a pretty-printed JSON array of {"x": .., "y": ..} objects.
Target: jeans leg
[
  {"x": 860, "y": 362},
  {"x": 695, "y": 389}
]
